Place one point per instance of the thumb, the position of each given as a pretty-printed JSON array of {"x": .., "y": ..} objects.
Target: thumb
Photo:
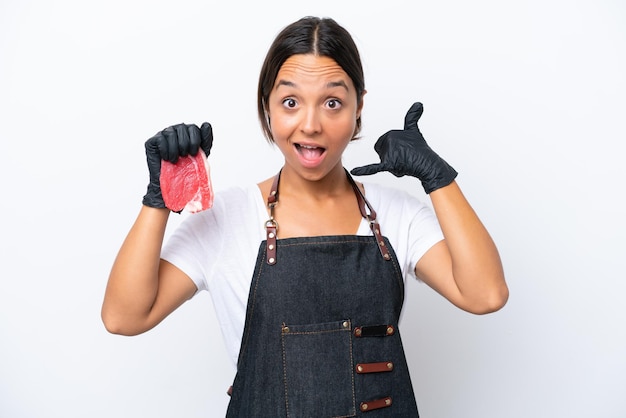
[
  {"x": 413, "y": 115},
  {"x": 206, "y": 132},
  {"x": 366, "y": 170}
]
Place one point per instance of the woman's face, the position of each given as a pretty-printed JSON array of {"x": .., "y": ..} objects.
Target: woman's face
[{"x": 313, "y": 110}]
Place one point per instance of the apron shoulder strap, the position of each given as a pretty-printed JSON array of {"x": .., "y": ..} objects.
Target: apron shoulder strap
[
  {"x": 271, "y": 226},
  {"x": 371, "y": 218}
]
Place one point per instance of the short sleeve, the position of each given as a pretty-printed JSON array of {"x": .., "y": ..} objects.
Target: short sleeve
[{"x": 410, "y": 225}]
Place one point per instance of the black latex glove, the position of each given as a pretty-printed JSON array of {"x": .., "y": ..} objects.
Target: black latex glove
[
  {"x": 406, "y": 153},
  {"x": 169, "y": 144}
]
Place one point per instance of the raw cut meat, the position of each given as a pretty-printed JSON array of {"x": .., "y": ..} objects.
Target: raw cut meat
[{"x": 187, "y": 184}]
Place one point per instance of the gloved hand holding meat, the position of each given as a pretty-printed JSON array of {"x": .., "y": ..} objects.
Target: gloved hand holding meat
[
  {"x": 179, "y": 172},
  {"x": 406, "y": 153}
]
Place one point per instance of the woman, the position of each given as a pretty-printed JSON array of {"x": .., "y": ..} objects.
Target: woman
[{"x": 313, "y": 323}]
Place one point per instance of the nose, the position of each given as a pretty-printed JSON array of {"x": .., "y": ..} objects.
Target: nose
[{"x": 311, "y": 121}]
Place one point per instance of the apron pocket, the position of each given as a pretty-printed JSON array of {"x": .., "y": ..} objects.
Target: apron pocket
[{"x": 317, "y": 369}]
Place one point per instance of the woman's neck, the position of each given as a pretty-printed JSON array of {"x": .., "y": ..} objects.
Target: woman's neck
[
  {"x": 334, "y": 184},
  {"x": 311, "y": 208}
]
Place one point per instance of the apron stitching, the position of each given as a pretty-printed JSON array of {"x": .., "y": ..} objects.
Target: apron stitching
[
  {"x": 396, "y": 268},
  {"x": 316, "y": 332},
  {"x": 282, "y": 341},
  {"x": 249, "y": 321},
  {"x": 351, "y": 241},
  {"x": 352, "y": 374}
]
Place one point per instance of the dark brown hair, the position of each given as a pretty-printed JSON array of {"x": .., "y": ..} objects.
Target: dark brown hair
[{"x": 310, "y": 35}]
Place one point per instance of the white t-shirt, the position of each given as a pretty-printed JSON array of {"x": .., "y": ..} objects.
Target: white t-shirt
[{"x": 218, "y": 248}]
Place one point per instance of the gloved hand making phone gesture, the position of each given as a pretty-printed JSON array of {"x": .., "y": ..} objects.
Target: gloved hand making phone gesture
[
  {"x": 406, "y": 153},
  {"x": 169, "y": 144}
]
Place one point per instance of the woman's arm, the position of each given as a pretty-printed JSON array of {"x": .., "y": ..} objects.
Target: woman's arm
[
  {"x": 465, "y": 267},
  {"x": 143, "y": 289}
]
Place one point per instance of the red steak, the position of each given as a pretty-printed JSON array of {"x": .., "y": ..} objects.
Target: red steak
[{"x": 187, "y": 184}]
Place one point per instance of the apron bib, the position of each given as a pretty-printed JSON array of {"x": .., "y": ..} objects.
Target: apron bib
[{"x": 321, "y": 335}]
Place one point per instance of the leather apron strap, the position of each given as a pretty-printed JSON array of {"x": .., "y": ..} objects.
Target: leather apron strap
[{"x": 271, "y": 226}]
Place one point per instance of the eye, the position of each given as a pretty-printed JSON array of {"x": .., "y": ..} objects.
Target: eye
[
  {"x": 289, "y": 103},
  {"x": 333, "y": 104}
]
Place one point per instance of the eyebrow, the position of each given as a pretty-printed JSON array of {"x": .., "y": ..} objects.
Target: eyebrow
[
  {"x": 285, "y": 83},
  {"x": 330, "y": 84},
  {"x": 337, "y": 84}
]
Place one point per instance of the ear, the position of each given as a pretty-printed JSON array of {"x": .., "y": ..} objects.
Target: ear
[
  {"x": 267, "y": 119},
  {"x": 266, "y": 112},
  {"x": 360, "y": 102}
]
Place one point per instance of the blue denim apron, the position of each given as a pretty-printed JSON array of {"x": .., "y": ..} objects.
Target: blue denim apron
[{"x": 321, "y": 335}]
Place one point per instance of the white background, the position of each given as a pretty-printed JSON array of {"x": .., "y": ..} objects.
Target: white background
[{"x": 524, "y": 98}]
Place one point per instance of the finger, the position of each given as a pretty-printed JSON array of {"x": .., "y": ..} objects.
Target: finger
[
  {"x": 153, "y": 150},
  {"x": 169, "y": 146},
  {"x": 183, "y": 139},
  {"x": 383, "y": 142},
  {"x": 194, "y": 139},
  {"x": 413, "y": 115},
  {"x": 207, "y": 137},
  {"x": 366, "y": 170},
  {"x": 154, "y": 142}
]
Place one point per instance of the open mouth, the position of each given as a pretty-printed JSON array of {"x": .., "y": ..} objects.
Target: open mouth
[{"x": 309, "y": 152}]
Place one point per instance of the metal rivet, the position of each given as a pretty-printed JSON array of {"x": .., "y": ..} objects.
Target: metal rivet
[
  {"x": 390, "y": 365},
  {"x": 387, "y": 401},
  {"x": 273, "y": 192},
  {"x": 389, "y": 330},
  {"x": 359, "y": 368},
  {"x": 382, "y": 243},
  {"x": 364, "y": 407},
  {"x": 271, "y": 260},
  {"x": 346, "y": 324},
  {"x": 271, "y": 247},
  {"x": 271, "y": 235},
  {"x": 386, "y": 256},
  {"x": 285, "y": 329},
  {"x": 357, "y": 332}
]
